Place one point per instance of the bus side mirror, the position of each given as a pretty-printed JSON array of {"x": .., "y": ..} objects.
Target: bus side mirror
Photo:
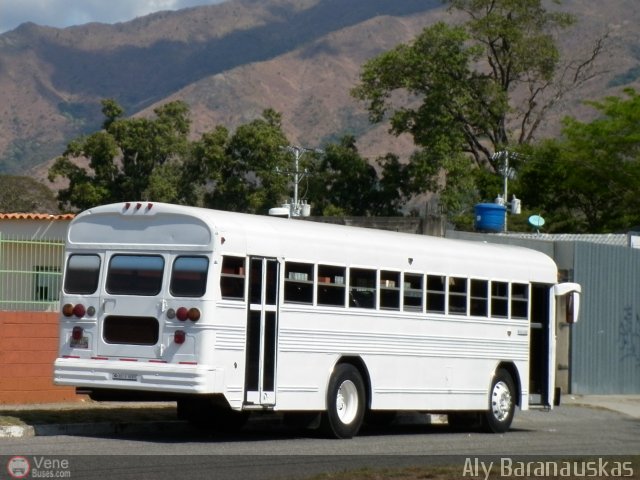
[
  {"x": 573, "y": 307},
  {"x": 570, "y": 294}
]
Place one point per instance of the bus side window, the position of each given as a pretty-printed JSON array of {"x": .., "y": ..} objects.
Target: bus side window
[
  {"x": 457, "y": 295},
  {"x": 232, "y": 278},
  {"x": 499, "y": 299},
  {"x": 298, "y": 282},
  {"x": 435, "y": 293},
  {"x": 479, "y": 298},
  {"x": 519, "y": 300},
  {"x": 389, "y": 290},
  {"x": 189, "y": 276},
  {"x": 362, "y": 288},
  {"x": 413, "y": 293},
  {"x": 331, "y": 287}
]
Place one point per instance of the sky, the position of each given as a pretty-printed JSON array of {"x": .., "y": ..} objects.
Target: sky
[{"x": 64, "y": 13}]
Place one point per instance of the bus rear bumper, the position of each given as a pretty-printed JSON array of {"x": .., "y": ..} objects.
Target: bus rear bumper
[{"x": 139, "y": 376}]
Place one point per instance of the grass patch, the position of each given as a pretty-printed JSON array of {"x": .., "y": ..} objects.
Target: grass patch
[{"x": 408, "y": 473}]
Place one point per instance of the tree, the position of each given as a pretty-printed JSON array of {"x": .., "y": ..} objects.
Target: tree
[
  {"x": 587, "y": 181},
  {"x": 474, "y": 88},
  {"x": 342, "y": 182},
  {"x": 25, "y": 195},
  {"x": 242, "y": 172},
  {"x": 122, "y": 157}
]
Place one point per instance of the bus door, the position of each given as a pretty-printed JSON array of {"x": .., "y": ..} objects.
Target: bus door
[
  {"x": 131, "y": 306},
  {"x": 262, "y": 332},
  {"x": 541, "y": 346},
  {"x": 549, "y": 307}
]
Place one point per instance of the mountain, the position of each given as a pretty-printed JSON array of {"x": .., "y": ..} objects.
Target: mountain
[{"x": 232, "y": 60}]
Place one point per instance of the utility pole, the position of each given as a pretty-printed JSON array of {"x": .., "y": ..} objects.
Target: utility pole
[
  {"x": 296, "y": 208},
  {"x": 507, "y": 173}
]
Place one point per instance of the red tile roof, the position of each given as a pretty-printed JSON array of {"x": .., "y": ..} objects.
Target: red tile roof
[{"x": 36, "y": 216}]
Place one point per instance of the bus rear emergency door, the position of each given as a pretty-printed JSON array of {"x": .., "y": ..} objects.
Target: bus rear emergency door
[{"x": 262, "y": 328}]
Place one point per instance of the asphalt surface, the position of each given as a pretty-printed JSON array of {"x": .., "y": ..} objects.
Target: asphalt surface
[
  {"x": 606, "y": 427},
  {"x": 626, "y": 404}
]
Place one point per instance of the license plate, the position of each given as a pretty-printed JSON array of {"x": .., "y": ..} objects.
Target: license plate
[
  {"x": 79, "y": 343},
  {"x": 127, "y": 377}
]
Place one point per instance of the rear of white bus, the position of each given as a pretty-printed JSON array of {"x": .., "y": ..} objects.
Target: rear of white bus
[{"x": 134, "y": 303}]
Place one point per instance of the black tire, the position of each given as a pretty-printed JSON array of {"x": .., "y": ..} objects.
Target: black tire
[
  {"x": 502, "y": 403},
  {"x": 346, "y": 403}
]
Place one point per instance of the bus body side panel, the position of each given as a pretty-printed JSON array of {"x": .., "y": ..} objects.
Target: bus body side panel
[{"x": 413, "y": 364}]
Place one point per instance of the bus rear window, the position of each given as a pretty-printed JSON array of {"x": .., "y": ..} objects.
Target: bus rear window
[
  {"x": 189, "y": 276},
  {"x": 135, "y": 275},
  {"x": 82, "y": 274}
]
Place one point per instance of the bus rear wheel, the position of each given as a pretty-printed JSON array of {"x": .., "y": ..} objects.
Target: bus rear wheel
[
  {"x": 345, "y": 403},
  {"x": 502, "y": 403}
]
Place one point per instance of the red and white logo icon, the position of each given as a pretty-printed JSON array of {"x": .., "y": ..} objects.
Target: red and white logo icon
[{"x": 18, "y": 467}]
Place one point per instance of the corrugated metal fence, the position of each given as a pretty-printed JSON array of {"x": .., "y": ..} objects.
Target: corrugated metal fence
[
  {"x": 605, "y": 355},
  {"x": 30, "y": 274}
]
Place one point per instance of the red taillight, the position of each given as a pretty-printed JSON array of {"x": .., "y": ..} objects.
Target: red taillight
[
  {"x": 182, "y": 314},
  {"x": 78, "y": 310},
  {"x": 193, "y": 314},
  {"x": 76, "y": 333},
  {"x": 179, "y": 337}
]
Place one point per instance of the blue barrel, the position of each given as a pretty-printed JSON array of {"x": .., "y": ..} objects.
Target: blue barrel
[{"x": 490, "y": 217}]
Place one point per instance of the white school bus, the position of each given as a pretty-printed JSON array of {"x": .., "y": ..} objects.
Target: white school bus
[{"x": 230, "y": 314}]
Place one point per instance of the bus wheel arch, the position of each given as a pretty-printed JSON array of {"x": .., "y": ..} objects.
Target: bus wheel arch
[
  {"x": 511, "y": 369},
  {"x": 347, "y": 398},
  {"x": 502, "y": 402}
]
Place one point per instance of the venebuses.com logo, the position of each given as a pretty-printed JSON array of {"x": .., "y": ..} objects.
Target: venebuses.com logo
[
  {"x": 38, "y": 467},
  {"x": 18, "y": 467}
]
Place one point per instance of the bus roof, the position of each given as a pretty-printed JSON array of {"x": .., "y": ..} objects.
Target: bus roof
[{"x": 151, "y": 225}]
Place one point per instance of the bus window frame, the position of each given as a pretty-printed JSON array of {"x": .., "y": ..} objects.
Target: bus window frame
[
  {"x": 475, "y": 299},
  {"x": 496, "y": 299},
  {"x": 420, "y": 291},
  {"x": 364, "y": 295},
  {"x": 297, "y": 281},
  {"x": 458, "y": 300},
  {"x": 441, "y": 295},
  {"x": 391, "y": 287},
  {"x": 236, "y": 273},
  {"x": 517, "y": 302},
  {"x": 95, "y": 280},
  {"x": 203, "y": 284},
  {"x": 109, "y": 287},
  {"x": 331, "y": 280}
]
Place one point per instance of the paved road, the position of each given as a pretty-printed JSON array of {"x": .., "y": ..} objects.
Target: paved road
[{"x": 262, "y": 451}]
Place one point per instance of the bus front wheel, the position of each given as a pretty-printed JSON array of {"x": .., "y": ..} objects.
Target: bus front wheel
[
  {"x": 345, "y": 403},
  {"x": 502, "y": 403}
]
